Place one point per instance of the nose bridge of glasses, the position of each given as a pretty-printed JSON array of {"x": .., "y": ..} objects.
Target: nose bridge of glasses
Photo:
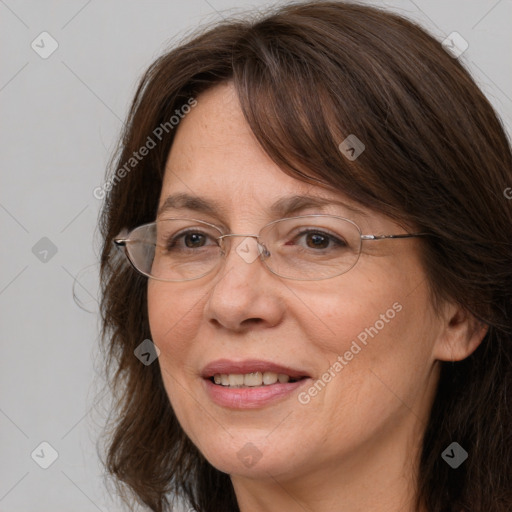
[
  {"x": 221, "y": 237},
  {"x": 262, "y": 249}
]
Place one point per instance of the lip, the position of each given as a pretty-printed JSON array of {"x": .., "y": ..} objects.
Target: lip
[{"x": 250, "y": 397}]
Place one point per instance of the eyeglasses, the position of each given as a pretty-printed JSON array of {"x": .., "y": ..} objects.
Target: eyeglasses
[{"x": 304, "y": 248}]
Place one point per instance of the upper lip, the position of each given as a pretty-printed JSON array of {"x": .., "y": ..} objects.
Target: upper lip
[{"x": 225, "y": 366}]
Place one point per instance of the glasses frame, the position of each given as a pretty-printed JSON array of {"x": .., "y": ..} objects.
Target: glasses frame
[{"x": 121, "y": 242}]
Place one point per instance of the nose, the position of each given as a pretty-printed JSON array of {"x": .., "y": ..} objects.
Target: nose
[{"x": 245, "y": 294}]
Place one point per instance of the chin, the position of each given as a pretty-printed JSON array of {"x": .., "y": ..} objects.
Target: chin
[{"x": 249, "y": 452}]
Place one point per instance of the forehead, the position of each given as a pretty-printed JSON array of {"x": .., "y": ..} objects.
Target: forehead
[
  {"x": 217, "y": 171},
  {"x": 217, "y": 163},
  {"x": 214, "y": 145}
]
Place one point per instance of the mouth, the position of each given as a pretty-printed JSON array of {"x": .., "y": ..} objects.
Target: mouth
[
  {"x": 253, "y": 379},
  {"x": 250, "y": 384}
]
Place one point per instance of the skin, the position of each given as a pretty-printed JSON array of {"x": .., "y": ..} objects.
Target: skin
[{"x": 354, "y": 446}]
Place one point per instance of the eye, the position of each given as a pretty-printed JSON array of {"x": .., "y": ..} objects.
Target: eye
[
  {"x": 190, "y": 239},
  {"x": 316, "y": 239},
  {"x": 194, "y": 239}
]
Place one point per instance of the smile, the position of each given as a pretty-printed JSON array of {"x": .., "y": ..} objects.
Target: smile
[
  {"x": 253, "y": 379},
  {"x": 250, "y": 384}
]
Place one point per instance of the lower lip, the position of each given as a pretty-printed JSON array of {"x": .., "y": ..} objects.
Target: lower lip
[{"x": 250, "y": 398}]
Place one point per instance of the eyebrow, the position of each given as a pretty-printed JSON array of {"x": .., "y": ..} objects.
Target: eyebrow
[{"x": 281, "y": 208}]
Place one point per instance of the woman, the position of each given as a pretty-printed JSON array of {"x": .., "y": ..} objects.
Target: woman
[{"x": 313, "y": 204}]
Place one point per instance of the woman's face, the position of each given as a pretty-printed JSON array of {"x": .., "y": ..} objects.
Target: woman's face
[{"x": 362, "y": 342}]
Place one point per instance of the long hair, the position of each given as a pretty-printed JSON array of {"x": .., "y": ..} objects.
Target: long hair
[{"x": 436, "y": 156}]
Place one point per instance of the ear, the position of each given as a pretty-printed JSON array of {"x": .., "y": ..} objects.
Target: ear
[{"x": 461, "y": 334}]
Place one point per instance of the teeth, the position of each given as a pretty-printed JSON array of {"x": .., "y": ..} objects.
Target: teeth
[
  {"x": 236, "y": 379},
  {"x": 269, "y": 378},
  {"x": 254, "y": 379}
]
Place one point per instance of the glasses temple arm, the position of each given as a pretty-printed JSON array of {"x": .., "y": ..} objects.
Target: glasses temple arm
[{"x": 382, "y": 237}]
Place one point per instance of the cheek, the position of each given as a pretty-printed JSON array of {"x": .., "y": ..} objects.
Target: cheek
[
  {"x": 174, "y": 318},
  {"x": 355, "y": 309},
  {"x": 369, "y": 339}
]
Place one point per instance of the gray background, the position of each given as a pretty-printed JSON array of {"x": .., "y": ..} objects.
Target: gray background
[{"x": 61, "y": 117}]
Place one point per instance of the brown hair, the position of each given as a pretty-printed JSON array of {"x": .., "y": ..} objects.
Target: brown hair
[{"x": 436, "y": 156}]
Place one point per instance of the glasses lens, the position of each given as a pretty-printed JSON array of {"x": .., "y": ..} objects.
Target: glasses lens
[
  {"x": 175, "y": 249},
  {"x": 311, "y": 247}
]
